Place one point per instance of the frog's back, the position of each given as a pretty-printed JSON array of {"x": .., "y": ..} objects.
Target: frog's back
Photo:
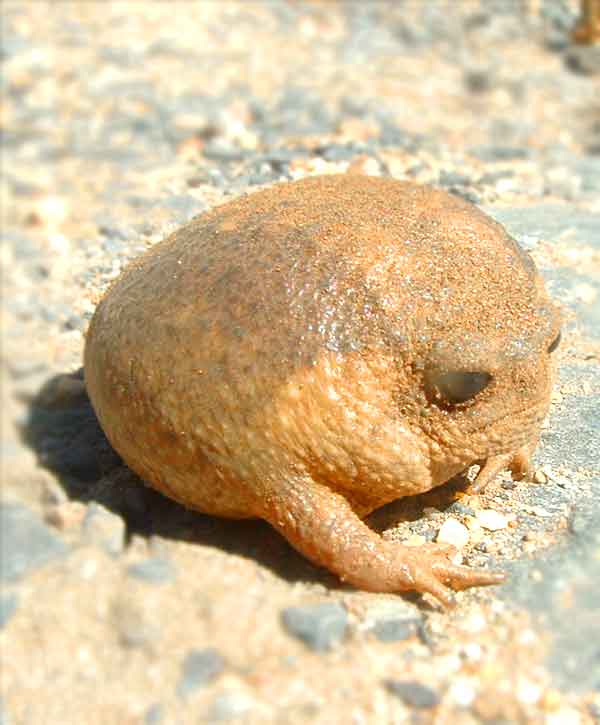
[
  {"x": 239, "y": 298},
  {"x": 263, "y": 284}
]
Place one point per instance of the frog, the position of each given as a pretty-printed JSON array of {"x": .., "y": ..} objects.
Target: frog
[{"x": 312, "y": 351}]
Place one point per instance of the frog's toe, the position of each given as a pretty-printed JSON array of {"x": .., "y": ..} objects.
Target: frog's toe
[
  {"x": 519, "y": 463},
  {"x": 434, "y": 573}
]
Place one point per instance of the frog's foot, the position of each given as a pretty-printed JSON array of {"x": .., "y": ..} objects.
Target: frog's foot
[
  {"x": 321, "y": 524},
  {"x": 433, "y": 571},
  {"x": 519, "y": 464}
]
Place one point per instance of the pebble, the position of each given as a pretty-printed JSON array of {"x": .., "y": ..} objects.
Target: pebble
[
  {"x": 472, "y": 523},
  {"x": 395, "y": 630},
  {"x": 26, "y": 368},
  {"x": 453, "y": 532},
  {"x": 199, "y": 668},
  {"x": 51, "y": 211},
  {"x": 500, "y": 153},
  {"x": 136, "y": 628},
  {"x": 155, "y": 714},
  {"x": 66, "y": 515},
  {"x": 453, "y": 178},
  {"x": 416, "y": 540},
  {"x": 412, "y": 693},
  {"x": 462, "y": 692},
  {"x": 478, "y": 80},
  {"x": 319, "y": 626},
  {"x": 563, "y": 716},
  {"x": 230, "y": 705},
  {"x": 185, "y": 206},
  {"x": 26, "y": 543},
  {"x": 528, "y": 692},
  {"x": 8, "y": 606},
  {"x": 492, "y": 520},
  {"x": 584, "y": 60},
  {"x": 104, "y": 529},
  {"x": 216, "y": 151},
  {"x": 392, "y": 620},
  {"x": 53, "y": 493},
  {"x": 458, "y": 507},
  {"x": 594, "y": 709},
  {"x": 338, "y": 152},
  {"x": 472, "y": 652},
  {"x": 385, "y": 608},
  {"x": 466, "y": 194},
  {"x": 155, "y": 570}
]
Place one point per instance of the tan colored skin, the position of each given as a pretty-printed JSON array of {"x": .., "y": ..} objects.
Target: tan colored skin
[
  {"x": 587, "y": 30},
  {"x": 287, "y": 356}
]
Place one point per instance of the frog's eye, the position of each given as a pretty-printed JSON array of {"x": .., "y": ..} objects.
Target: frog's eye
[
  {"x": 457, "y": 387},
  {"x": 555, "y": 343}
]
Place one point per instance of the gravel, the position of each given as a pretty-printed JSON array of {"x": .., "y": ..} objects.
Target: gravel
[
  {"x": 155, "y": 715},
  {"x": 153, "y": 571},
  {"x": 394, "y": 630},
  {"x": 105, "y": 529},
  {"x": 199, "y": 668},
  {"x": 230, "y": 705},
  {"x": 26, "y": 543},
  {"x": 8, "y": 606},
  {"x": 320, "y": 626},
  {"x": 413, "y": 693}
]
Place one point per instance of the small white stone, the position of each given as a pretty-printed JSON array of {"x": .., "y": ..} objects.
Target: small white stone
[
  {"x": 492, "y": 520},
  {"x": 586, "y": 293},
  {"x": 563, "y": 716},
  {"x": 59, "y": 243},
  {"x": 462, "y": 692},
  {"x": 527, "y": 638},
  {"x": 53, "y": 210},
  {"x": 528, "y": 692},
  {"x": 472, "y": 524},
  {"x": 476, "y": 623},
  {"x": 453, "y": 532},
  {"x": 472, "y": 651}
]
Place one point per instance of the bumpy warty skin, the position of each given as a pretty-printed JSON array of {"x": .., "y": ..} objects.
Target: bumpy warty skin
[{"x": 302, "y": 355}]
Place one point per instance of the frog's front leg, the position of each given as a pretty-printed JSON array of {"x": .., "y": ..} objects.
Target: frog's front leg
[
  {"x": 321, "y": 524},
  {"x": 519, "y": 463}
]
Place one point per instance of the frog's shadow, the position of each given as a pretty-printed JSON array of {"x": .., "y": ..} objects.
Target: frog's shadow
[{"x": 64, "y": 432}]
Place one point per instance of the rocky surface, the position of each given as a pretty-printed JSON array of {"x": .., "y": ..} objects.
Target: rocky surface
[{"x": 121, "y": 121}]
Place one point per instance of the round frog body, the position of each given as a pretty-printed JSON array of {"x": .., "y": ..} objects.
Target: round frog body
[{"x": 315, "y": 350}]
